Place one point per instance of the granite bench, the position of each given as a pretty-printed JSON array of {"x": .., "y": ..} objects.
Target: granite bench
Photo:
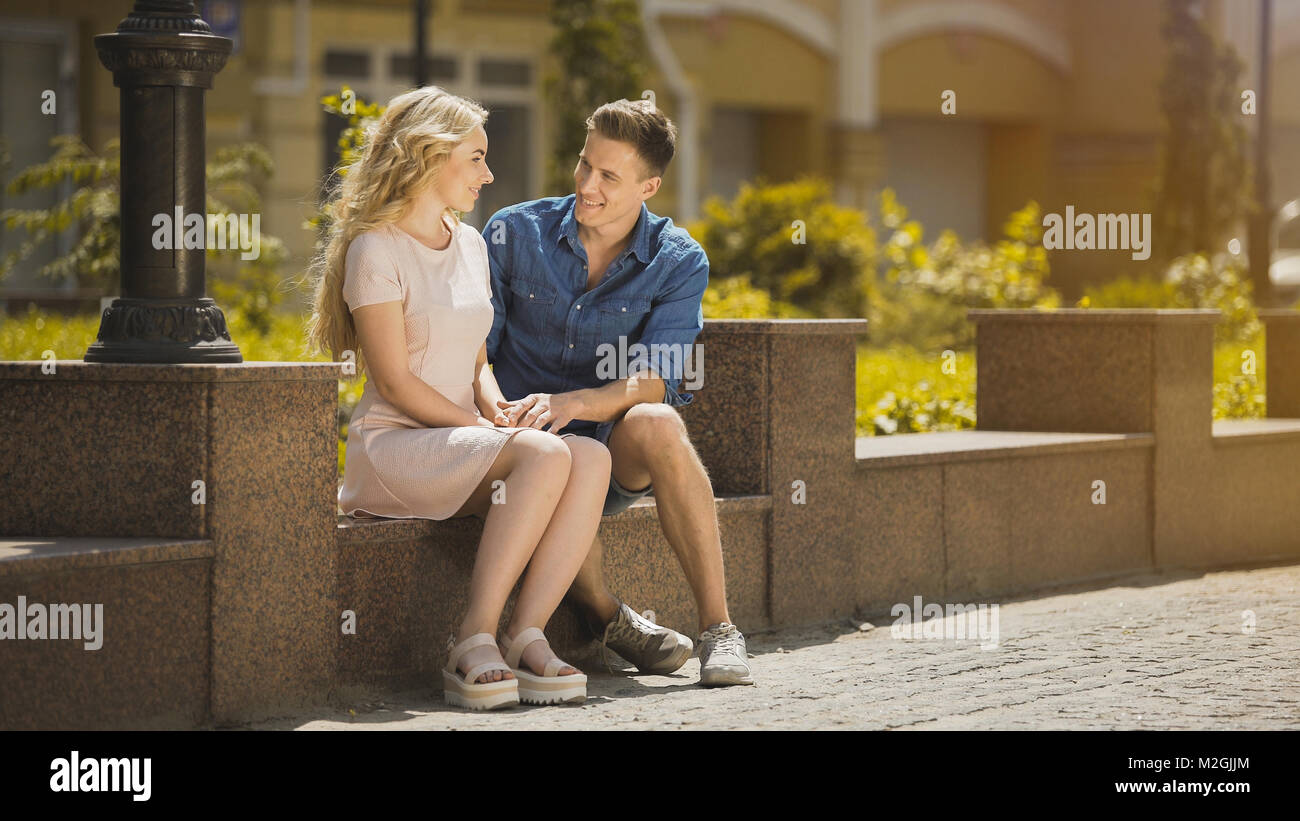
[{"x": 197, "y": 504}]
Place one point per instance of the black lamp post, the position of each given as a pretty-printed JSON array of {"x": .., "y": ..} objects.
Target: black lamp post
[{"x": 163, "y": 57}]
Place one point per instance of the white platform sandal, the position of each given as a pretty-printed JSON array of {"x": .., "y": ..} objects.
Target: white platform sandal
[
  {"x": 550, "y": 687},
  {"x": 462, "y": 691}
]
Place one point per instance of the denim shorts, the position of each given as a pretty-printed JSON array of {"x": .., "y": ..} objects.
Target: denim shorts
[{"x": 618, "y": 498}]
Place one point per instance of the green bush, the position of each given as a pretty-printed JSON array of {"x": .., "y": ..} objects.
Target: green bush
[
  {"x": 914, "y": 318},
  {"x": 902, "y": 390},
  {"x": 1191, "y": 281},
  {"x": 1220, "y": 282},
  {"x": 598, "y": 53},
  {"x": 1238, "y": 394},
  {"x": 1130, "y": 292},
  {"x": 794, "y": 242},
  {"x": 737, "y": 298},
  {"x": 252, "y": 288},
  {"x": 924, "y": 294}
]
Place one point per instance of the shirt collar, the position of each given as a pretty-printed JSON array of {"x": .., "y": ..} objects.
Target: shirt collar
[{"x": 640, "y": 244}]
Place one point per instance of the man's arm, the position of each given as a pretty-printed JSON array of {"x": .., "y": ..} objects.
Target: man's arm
[
  {"x": 670, "y": 332},
  {"x": 609, "y": 402},
  {"x": 675, "y": 322}
]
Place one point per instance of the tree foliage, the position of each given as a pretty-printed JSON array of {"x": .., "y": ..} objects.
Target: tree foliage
[
  {"x": 93, "y": 206},
  {"x": 93, "y": 210},
  {"x": 600, "y": 56},
  {"x": 1203, "y": 190}
]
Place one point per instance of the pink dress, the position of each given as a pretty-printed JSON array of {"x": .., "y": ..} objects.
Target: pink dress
[{"x": 395, "y": 466}]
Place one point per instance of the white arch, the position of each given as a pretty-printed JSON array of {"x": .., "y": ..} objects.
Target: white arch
[
  {"x": 802, "y": 21},
  {"x": 911, "y": 21},
  {"x": 688, "y": 127}
]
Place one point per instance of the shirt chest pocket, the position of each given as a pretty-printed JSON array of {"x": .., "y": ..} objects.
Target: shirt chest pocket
[
  {"x": 531, "y": 303},
  {"x": 623, "y": 316},
  {"x": 532, "y": 293}
]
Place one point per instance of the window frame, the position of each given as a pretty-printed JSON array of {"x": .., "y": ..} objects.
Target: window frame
[{"x": 381, "y": 85}]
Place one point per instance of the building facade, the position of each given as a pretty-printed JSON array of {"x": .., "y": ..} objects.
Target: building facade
[{"x": 967, "y": 108}]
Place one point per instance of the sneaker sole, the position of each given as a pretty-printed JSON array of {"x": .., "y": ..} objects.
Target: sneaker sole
[
  {"x": 724, "y": 678},
  {"x": 671, "y": 664}
]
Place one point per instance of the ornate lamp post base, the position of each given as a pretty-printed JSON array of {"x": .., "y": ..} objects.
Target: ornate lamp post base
[{"x": 154, "y": 330}]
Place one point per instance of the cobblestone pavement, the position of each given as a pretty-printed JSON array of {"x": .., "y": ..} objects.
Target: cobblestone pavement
[{"x": 1168, "y": 651}]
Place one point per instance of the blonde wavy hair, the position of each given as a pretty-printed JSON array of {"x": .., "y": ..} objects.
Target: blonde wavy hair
[{"x": 402, "y": 155}]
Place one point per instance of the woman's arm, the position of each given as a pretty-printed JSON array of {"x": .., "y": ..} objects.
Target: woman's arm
[
  {"x": 381, "y": 331},
  {"x": 486, "y": 390}
]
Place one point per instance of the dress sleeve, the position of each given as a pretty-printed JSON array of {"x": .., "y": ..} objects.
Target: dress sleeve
[{"x": 369, "y": 275}]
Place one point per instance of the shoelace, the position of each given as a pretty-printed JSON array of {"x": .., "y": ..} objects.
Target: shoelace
[
  {"x": 627, "y": 631},
  {"x": 724, "y": 642}
]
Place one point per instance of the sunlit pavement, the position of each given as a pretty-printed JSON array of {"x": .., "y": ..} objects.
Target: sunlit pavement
[{"x": 1170, "y": 651}]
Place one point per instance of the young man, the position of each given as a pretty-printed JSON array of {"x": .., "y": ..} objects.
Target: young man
[{"x": 570, "y": 277}]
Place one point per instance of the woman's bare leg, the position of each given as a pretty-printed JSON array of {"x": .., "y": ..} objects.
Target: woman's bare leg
[
  {"x": 563, "y": 547},
  {"x": 534, "y": 466}
]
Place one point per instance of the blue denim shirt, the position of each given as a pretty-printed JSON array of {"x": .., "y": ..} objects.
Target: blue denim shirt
[{"x": 548, "y": 326}]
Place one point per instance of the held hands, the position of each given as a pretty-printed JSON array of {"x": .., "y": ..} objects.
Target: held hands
[
  {"x": 499, "y": 420},
  {"x": 539, "y": 410}
]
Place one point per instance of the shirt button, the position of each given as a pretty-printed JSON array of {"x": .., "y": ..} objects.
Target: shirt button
[
  {"x": 530, "y": 296},
  {"x": 579, "y": 307},
  {"x": 625, "y": 310},
  {"x": 570, "y": 344}
]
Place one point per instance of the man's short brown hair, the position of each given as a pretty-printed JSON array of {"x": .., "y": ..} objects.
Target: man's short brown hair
[{"x": 643, "y": 125}]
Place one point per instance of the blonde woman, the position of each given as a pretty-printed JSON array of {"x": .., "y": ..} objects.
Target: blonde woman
[{"x": 404, "y": 284}]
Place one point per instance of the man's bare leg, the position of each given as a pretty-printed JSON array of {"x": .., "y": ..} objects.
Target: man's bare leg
[{"x": 650, "y": 444}]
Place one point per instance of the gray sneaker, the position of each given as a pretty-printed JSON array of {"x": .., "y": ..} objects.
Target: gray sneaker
[
  {"x": 724, "y": 658},
  {"x": 653, "y": 649}
]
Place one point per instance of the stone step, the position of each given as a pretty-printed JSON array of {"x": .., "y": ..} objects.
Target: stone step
[
  {"x": 407, "y": 582},
  {"x": 147, "y": 603}
]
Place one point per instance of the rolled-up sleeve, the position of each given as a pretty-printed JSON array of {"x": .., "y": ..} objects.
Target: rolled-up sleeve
[
  {"x": 497, "y": 236},
  {"x": 676, "y": 319}
]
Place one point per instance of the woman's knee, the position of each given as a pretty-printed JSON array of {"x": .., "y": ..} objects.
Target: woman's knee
[
  {"x": 589, "y": 456},
  {"x": 542, "y": 450}
]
